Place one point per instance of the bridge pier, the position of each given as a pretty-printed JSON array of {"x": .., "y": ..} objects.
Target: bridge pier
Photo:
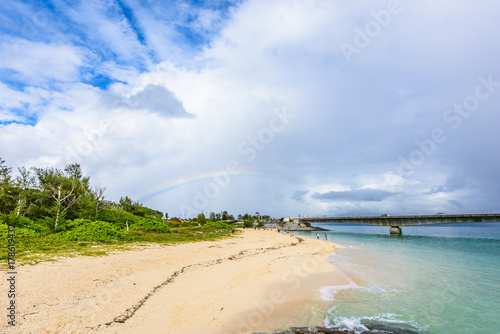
[{"x": 395, "y": 230}]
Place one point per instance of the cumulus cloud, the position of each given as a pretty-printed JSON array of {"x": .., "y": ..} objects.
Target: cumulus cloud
[
  {"x": 299, "y": 196},
  {"x": 160, "y": 100}
]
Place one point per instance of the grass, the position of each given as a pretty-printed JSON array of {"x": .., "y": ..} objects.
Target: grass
[{"x": 36, "y": 249}]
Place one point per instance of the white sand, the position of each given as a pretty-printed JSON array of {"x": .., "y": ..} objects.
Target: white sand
[{"x": 256, "y": 281}]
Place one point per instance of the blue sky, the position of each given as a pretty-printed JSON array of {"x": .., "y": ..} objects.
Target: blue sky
[
  {"x": 285, "y": 107},
  {"x": 116, "y": 32}
]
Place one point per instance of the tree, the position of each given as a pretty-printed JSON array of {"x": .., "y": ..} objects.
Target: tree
[
  {"x": 212, "y": 216},
  {"x": 25, "y": 183},
  {"x": 225, "y": 215},
  {"x": 7, "y": 202},
  {"x": 92, "y": 203},
  {"x": 82, "y": 189},
  {"x": 133, "y": 207},
  {"x": 87, "y": 207},
  {"x": 126, "y": 204},
  {"x": 139, "y": 210},
  {"x": 99, "y": 196},
  {"x": 202, "y": 220},
  {"x": 62, "y": 189}
]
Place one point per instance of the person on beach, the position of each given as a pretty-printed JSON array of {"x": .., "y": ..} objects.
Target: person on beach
[
  {"x": 317, "y": 236},
  {"x": 326, "y": 237}
]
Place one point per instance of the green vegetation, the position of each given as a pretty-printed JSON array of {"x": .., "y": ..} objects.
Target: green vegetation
[
  {"x": 249, "y": 220},
  {"x": 151, "y": 226},
  {"x": 57, "y": 213},
  {"x": 218, "y": 225},
  {"x": 220, "y": 216},
  {"x": 201, "y": 219},
  {"x": 95, "y": 231}
]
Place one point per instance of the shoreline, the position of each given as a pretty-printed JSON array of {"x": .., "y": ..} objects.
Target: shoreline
[{"x": 256, "y": 281}]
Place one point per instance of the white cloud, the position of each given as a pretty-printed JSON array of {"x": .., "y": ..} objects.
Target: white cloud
[
  {"x": 39, "y": 63},
  {"x": 352, "y": 121},
  {"x": 109, "y": 31},
  {"x": 10, "y": 98},
  {"x": 159, "y": 100}
]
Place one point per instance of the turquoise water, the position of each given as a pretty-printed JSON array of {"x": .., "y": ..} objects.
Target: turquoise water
[{"x": 432, "y": 279}]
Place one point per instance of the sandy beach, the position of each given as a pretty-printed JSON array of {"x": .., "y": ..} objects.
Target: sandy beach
[{"x": 256, "y": 281}]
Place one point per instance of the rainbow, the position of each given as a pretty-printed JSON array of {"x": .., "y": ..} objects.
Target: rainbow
[{"x": 180, "y": 182}]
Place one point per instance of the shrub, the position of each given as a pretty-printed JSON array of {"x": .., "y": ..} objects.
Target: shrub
[
  {"x": 4, "y": 230},
  {"x": 26, "y": 232},
  {"x": 95, "y": 231},
  {"x": 47, "y": 223},
  {"x": 202, "y": 219},
  {"x": 25, "y": 226},
  {"x": 37, "y": 226},
  {"x": 218, "y": 225},
  {"x": 247, "y": 224},
  {"x": 118, "y": 217},
  {"x": 147, "y": 225},
  {"x": 70, "y": 224}
]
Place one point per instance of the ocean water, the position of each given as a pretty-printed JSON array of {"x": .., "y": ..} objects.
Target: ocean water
[{"x": 435, "y": 279}]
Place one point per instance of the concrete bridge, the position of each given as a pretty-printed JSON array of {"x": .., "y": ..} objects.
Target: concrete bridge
[{"x": 395, "y": 222}]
